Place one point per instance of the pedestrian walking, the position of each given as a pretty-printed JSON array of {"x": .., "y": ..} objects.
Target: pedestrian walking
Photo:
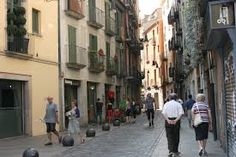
[
  {"x": 128, "y": 110},
  {"x": 149, "y": 105},
  {"x": 99, "y": 105},
  {"x": 172, "y": 112},
  {"x": 133, "y": 110},
  {"x": 202, "y": 109},
  {"x": 189, "y": 104},
  {"x": 109, "y": 111},
  {"x": 51, "y": 118},
  {"x": 74, "y": 115}
]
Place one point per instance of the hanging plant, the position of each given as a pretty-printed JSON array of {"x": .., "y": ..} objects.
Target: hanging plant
[
  {"x": 11, "y": 17},
  {"x": 11, "y": 29},
  {"x": 21, "y": 31},
  {"x": 101, "y": 52},
  {"x": 19, "y": 10},
  {"x": 20, "y": 20}
]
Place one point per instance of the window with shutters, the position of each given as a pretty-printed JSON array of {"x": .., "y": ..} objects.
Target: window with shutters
[
  {"x": 118, "y": 24},
  {"x": 35, "y": 21},
  {"x": 92, "y": 10},
  {"x": 93, "y": 43},
  {"x": 72, "y": 44}
]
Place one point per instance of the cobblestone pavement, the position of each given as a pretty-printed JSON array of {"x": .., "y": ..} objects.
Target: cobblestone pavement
[
  {"x": 130, "y": 140},
  {"x": 136, "y": 140}
]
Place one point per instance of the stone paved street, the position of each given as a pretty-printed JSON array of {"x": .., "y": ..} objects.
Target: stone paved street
[{"x": 128, "y": 140}]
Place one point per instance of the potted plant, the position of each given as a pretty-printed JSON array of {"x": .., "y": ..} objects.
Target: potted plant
[{"x": 16, "y": 31}]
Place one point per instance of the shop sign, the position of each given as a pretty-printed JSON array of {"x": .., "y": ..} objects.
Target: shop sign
[{"x": 222, "y": 14}]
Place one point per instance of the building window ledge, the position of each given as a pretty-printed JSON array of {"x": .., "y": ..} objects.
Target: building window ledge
[
  {"x": 18, "y": 55},
  {"x": 75, "y": 66}
]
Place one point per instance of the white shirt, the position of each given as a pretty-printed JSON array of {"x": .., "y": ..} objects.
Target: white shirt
[{"x": 172, "y": 109}]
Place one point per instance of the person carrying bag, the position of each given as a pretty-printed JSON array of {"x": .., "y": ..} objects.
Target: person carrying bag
[{"x": 202, "y": 122}]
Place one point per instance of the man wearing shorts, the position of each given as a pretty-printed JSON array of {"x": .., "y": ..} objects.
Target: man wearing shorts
[{"x": 51, "y": 118}]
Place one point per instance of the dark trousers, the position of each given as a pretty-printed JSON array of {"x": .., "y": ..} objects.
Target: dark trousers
[
  {"x": 150, "y": 113},
  {"x": 172, "y": 134}
]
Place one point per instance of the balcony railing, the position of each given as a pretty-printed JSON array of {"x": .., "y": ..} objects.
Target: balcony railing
[
  {"x": 76, "y": 57},
  {"x": 18, "y": 44},
  {"x": 111, "y": 67},
  {"x": 96, "y": 62},
  {"x": 96, "y": 17},
  {"x": 75, "y": 8},
  {"x": 110, "y": 28}
]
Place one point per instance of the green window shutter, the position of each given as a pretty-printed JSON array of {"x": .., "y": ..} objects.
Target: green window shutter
[
  {"x": 93, "y": 42},
  {"x": 72, "y": 44},
  {"x": 92, "y": 10},
  {"x": 35, "y": 21},
  {"x": 107, "y": 14},
  {"x": 108, "y": 50}
]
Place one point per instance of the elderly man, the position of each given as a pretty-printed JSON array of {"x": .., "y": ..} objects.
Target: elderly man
[
  {"x": 51, "y": 118},
  {"x": 172, "y": 112}
]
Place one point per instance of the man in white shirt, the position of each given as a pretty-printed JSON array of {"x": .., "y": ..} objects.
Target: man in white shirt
[{"x": 172, "y": 112}]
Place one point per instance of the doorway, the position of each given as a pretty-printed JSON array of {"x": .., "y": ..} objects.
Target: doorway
[
  {"x": 92, "y": 96},
  {"x": 71, "y": 93},
  {"x": 11, "y": 108}
]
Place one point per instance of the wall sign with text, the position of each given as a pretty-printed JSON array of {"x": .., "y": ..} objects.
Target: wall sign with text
[{"x": 222, "y": 14}]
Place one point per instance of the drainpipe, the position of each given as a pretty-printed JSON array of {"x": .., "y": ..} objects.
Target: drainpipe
[{"x": 59, "y": 69}]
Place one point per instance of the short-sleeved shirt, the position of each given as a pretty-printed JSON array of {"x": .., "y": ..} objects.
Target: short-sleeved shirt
[
  {"x": 202, "y": 108},
  {"x": 149, "y": 103},
  {"x": 99, "y": 106},
  {"x": 172, "y": 109},
  {"x": 50, "y": 116}
]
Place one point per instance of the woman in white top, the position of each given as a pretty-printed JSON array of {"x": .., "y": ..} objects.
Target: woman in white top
[
  {"x": 201, "y": 130},
  {"x": 74, "y": 126}
]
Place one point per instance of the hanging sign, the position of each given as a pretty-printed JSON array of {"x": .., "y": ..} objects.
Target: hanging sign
[{"x": 222, "y": 14}]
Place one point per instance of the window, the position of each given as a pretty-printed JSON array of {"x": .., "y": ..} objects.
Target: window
[
  {"x": 92, "y": 10},
  {"x": 92, "y": 43},
  {"x": 153, "y": 34},
  {"x": 155, "y": 77},
  {"x": 158, "y": 48},
  {"x": 154, "y": 53},
  {"x": 72, "y": 44},
  {"x": 35, "y": 21},
  {"x": 147, "y": 53}
]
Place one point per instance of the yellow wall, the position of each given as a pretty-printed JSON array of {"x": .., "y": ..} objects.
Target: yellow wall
[{"x": 42, "y": 67}]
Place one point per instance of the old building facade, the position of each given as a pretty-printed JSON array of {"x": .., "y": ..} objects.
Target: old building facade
[
  {"x": 29, "y": 64},
  {"x": 209, "y": 61},
  {"x": 98, "y": 41},
  {"x": 152, "y": 56}
]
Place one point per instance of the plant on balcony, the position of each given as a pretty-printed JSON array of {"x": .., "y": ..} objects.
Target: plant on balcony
[
  {"x": 101, "y": 52},
  {"x": 16, "y": 30}
]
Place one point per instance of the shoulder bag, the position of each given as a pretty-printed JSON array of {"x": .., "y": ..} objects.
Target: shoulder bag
[{"x": 197, "y": 118}]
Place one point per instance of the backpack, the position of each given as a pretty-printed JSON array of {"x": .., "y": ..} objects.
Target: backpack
[{"x": 77, "y": 112}]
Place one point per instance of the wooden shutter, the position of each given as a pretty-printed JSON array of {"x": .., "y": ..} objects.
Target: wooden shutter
[
  {"x": 72, "y": 44},
  {"x": 92, "y": 10},
  {"x": 107, "y": 14},
  {"x": 93, "y": 42},
  {"x": 35, "y": 21}
]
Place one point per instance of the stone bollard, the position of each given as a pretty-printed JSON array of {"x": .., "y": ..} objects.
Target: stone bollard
[
  {"x": 68, "y": 141},
  {"x": 90, "y": 132},
  {"x": 116, "y": 122},
  {"x": 30, "y": 152},
  {"x": 106, "y": 127}
]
